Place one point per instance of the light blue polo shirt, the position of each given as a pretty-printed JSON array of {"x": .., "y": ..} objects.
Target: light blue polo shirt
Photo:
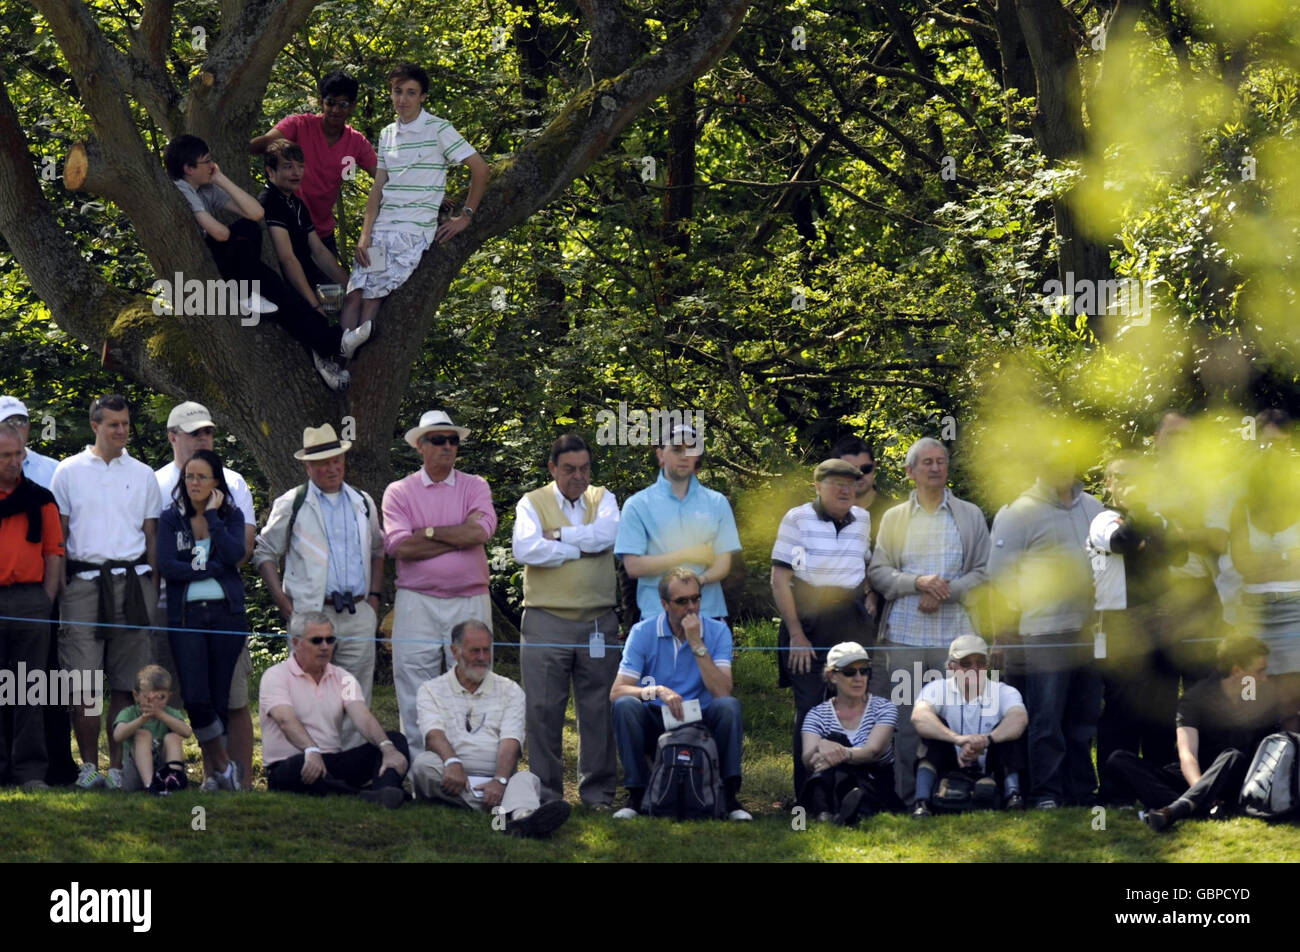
[
  {"x": 38, "y": 468},
  {"x": 653, "y": 656},
  {"x": 655, "y": 522}
]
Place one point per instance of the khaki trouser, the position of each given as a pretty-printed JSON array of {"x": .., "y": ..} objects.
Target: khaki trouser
[{"x": 523, "y": 792}]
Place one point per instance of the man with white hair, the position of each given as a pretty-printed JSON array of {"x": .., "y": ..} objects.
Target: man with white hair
[
  {"x": 436, "y": 522},
  {"x": 328, "y": 535},
  {"x": 302, "y": 701},
  {"x": 190, "y": 428},
  {"x": 472, "y": 721},
  {"x": 931, "y": 553}
]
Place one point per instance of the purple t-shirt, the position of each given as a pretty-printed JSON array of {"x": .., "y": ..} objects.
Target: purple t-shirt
[{"x": 325, "y": 163}]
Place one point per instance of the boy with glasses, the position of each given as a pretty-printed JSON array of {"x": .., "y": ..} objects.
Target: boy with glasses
[{"x": 974, "y": 724}]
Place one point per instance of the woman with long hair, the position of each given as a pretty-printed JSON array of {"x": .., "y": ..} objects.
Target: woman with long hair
[{"x": 200, "y": 545}]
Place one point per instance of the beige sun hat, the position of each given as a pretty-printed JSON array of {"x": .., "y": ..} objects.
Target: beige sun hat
[{"x": 321, "y": 442}]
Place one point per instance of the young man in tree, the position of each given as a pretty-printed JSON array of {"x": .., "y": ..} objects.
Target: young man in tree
[
  {"x": 237, "y": 250},
  {"x": 304, "y": 259},
  {"x": 332, "y": 149},
  {"x": 402, "y": 210}
]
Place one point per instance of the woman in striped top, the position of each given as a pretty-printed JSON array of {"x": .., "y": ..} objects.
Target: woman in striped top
[{"x": 848, "y": 744}]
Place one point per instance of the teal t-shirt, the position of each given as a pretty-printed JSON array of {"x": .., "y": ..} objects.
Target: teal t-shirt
[{"x": 155, "y": 727}]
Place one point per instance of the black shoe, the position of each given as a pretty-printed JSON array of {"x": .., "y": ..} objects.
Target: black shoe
[
  {"x": 921, "y": 808},
  {"x": 389, "y": 797},
  {"x": 848, "y": 811},
  {"x": 1159, "y": 820},
  {"x": 985, "y": 794},
  {"x": 1220, "y": 811},
  {"x": 1015, "y": 801},
  {"x": 546, "y": 819}
]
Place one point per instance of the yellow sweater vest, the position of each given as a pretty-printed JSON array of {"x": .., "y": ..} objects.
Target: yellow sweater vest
[{"x": 580, "y": 589}]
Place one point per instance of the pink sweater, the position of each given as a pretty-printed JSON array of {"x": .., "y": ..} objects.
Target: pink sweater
[{"x": 414, "y": 502}]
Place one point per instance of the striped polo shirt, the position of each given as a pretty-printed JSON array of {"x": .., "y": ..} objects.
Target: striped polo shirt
[
  {"x": 823, "y": 722},
  {"x": 416, "y": 157},
  {"x": 821, "y": 553}
]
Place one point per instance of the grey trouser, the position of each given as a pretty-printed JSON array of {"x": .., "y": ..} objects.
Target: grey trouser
[{"x": 546, "y": 676}]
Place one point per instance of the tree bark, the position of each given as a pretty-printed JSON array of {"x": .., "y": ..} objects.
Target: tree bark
[{"x": 258, "y": 383}]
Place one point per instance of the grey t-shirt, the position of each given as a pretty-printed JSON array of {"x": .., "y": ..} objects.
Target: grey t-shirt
[{"x": 205, "y": 198}]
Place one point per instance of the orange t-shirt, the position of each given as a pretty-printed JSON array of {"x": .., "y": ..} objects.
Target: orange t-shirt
[{"x": 22, "y": 561}]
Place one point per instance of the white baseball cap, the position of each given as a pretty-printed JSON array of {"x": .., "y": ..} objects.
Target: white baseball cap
[
  {"x": 11, "y": 406},
  {"x": 189, "y": 416}
]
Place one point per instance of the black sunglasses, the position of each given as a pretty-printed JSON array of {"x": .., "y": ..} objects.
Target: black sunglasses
[
  {"x": 976, "y": 661},
  {"x": 686, "y": 600},
  {"x": 327, "y": 639},
  {"x": 854, "y": 672},
  {"x": 867, "y": 468},
  {"x": 439, "y": 439}
]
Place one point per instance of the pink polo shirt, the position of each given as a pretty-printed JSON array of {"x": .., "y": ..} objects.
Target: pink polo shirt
[
  {"x": 325, "y": 164},
  {"x": 318, "y": 705},
  {"x": 417, "y": 501}
]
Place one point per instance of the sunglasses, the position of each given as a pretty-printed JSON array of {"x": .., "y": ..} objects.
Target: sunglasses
[
  {"x": 441, "y": 439},
  {"x": 325, "y": 639},
  {"x": 866, "y": 468},
  {"x": 862, "y": 670},
  {"x": 969, "y": 663},
  {"x": 686, "y": 600}
]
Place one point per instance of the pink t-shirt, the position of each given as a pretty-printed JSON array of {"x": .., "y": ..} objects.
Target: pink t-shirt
[
  {"x": 416, "y": 501},
  {"x": 319, "y": 706},
  {"x": 325, "y": 164}
]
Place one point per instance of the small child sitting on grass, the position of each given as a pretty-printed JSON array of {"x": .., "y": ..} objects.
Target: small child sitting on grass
[{"x": 152, "y": 729}]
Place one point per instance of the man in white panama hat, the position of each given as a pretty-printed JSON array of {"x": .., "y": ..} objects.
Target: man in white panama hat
[
  {"x": 328, "y": 535},
  {"x": 436, "y": 522}
]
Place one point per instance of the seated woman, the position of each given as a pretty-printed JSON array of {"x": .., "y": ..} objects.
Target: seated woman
[
  {"x": 848, "y": 744},
  {"x": 200, "y": 545}
]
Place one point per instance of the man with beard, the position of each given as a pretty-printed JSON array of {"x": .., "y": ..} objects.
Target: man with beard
[{"x": 472, "y": 721}]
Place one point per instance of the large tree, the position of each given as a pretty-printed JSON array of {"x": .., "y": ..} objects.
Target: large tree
[{"x": 255, "y": 379}]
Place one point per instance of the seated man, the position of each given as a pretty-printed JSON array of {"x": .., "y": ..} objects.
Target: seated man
[
  {"x": 237, "y": 250},
  {"x": 304, "y": 259},
  {"x": 672, "y": 657},
  {"x": 973, "y": 724},
  {"x": 472, "y": 721},
  {"x": 1221, "y": 720},
  {"x": 302, "y": 702}
]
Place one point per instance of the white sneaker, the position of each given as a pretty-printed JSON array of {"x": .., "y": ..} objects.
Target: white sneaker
[
  {"x": 229, "y": 778},
  {"x": 739, "y": 815},
  {"x": 337, "y": 380},
  {"x": 353, "y": 339},
  {"x": 209, "y": 785},
  {"x": 89, "y": 777},
  {"x": 114, "y": 779},
  {"x": 627, "y": 813},
  {"x": 256, "y": 304}
]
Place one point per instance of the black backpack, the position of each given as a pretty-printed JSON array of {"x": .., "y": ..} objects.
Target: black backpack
[
  {"x": 685, "y": 782},
  {"x": 1272, "y": 787}
]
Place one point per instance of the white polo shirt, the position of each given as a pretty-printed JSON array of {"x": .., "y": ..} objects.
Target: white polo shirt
[
  {"x": 416, "y": 156},
  {"x": 977, "y": 716},
  {"x": 106, "y": 505},
  {"x": 475, "y": 722}
]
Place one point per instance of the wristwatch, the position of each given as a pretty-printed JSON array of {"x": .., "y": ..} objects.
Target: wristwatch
[
  {"x": 466, "y": 210},
  {"x": 429, "y": 533},
  {"x": 502, "y": 780},
  {"x": 700, "y": 651}
]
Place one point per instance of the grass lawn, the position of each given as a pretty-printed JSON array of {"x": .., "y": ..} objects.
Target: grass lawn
[{"x": 96, "y": 826}]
